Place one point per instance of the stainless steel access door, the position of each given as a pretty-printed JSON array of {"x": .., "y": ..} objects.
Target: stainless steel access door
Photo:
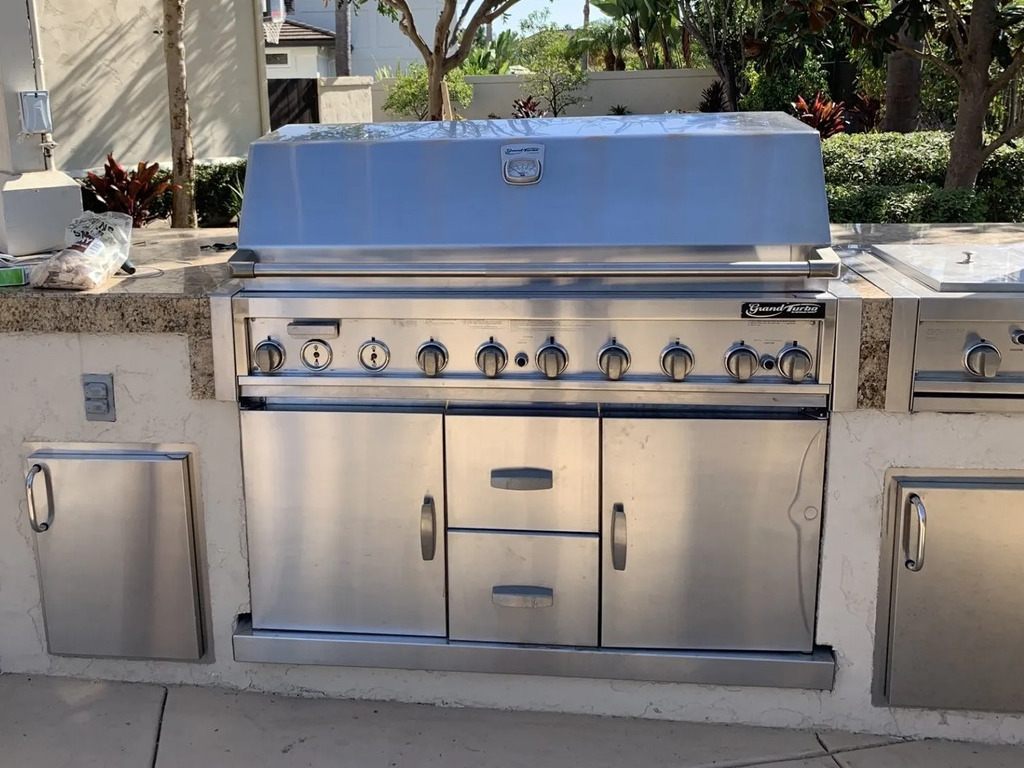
[
  {"x": 116, "y": 559},
  {"x": 956, "y": 635},
  {"x": 711, "y": 532},
  {"x": 345, "y": 514}
]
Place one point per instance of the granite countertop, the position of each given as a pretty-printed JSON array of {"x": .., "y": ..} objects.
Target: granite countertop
[{"x": 178, "y": 270}]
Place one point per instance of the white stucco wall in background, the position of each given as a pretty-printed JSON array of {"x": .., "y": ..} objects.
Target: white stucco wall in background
[
  {"x": 304, "y": 63},
  {"x": 105, "y": 68},
  {"x": 43, "y": 403}
]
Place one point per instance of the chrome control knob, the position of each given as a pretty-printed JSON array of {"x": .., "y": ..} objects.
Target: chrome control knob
[
  {"x": 983, "y": 359},
  {"x": 432, "y": 357},
  {"x": 676, "y": 362},
  {"x": 491, "y": 358},
  {"x": 742, "y": 362},
  {"x": 613, "y": 360},
  {"x": 552, "y": 359},
  {"x": 268, "y": 356},
  {"x": 794, "y": 363}
]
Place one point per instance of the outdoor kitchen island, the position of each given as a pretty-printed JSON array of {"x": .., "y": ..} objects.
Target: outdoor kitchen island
[{"x": 153, "y": 335}]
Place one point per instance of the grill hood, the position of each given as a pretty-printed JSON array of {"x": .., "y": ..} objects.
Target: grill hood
[{"x": 706, "y": 180}]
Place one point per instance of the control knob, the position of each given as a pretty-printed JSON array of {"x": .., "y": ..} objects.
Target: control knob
[
  {"x": 794, "y": 363},
  {"x": 552, "y": 359},
  {"x": 613, "y": 360},
  {"x": 268, "y": 356},
  {"x": 432, "y": 357},
  {"x": 491, "y": 358},
  {"x": 742, "y": 362},
  {"x": 982, "y": 359},
  {"x": 676, "y": 361}
]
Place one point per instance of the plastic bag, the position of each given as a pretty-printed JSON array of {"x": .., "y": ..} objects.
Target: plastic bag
[{"x": 97, "y": 245}]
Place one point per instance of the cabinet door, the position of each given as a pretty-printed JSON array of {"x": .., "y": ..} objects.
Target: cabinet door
[
  {"x": 957, "y": 636},
  {"x": 711, "y": 533},
  {"x": 345, "y": 516},
  {"x": 117, "y": 565}
]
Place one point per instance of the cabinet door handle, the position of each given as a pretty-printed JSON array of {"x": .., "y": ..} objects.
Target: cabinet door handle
[
  {"x": 428, "y": 528},
  {"x": 522, "y": 597},
  {"x": 30, "y": 496},
  {"x": 618, "y": 537},
  {"x": 915, "y": 562}
]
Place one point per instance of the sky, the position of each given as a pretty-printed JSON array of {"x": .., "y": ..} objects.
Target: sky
[{"x": 562, "y": 12}]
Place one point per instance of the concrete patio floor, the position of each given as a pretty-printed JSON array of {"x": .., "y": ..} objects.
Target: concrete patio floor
[{"x": 59, "y": 723}]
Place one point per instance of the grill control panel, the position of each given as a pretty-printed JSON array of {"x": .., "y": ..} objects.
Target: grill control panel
[{"x": 633, "y": 350}]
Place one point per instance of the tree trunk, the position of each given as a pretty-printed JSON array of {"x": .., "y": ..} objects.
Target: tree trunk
[
  {"x": 687, "y": 48},
  {"x": 728, "y": 78},
  {"x": 902, "y": 89},
  {"x": 663, "y": 40},
  {"x": 435, "y": 91},
  {"x": 343, "y": 39},
  {"x": 967, "y": 146},
  {"x": 183, "y": 172},
  {"x": 586, "y": 24}
]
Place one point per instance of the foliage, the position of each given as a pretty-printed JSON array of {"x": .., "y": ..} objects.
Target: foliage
[
  {"x": 556, "y": 77},
  {"x": 620, "y": 110},
  {"x": 712, "y": 98},
  {"x": 605, "y": 41},
  {"x": 823, "y": 114},
  {"x": 652, "y": 26},
  {"x": 526, "y": 108},
  {"x": 219, "y": 192},
  {"x": 132, "y": 192},
  {"x": 410, "y": 97},
  {"x": 775, "y": 91},
  {"x": 492, "y": 58},
  {"x": 721, "y": 28},
  {"x": 863, "y": 113},
  {"x": 916, "y": 202}
]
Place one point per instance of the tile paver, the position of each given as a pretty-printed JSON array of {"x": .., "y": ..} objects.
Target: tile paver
[
  {"x": 934, "y": 754},
  {"x": 50, "y": 722},
  {"x": 210, "y": 727}
]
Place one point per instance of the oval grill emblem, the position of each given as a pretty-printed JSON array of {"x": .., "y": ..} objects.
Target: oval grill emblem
[{"x": 784, "y": 310}]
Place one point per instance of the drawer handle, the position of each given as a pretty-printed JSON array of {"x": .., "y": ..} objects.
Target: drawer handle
[
  {"x": 522, "y": 479},
  {"x": 30, "y": 496},
  {"x": 522, "y": 597},
  {"x": 313, "y": 329},
  {"x": 916, "y": 563},
  {"x": 428, "y": 528},
  {"x": 618, "y": 537}
]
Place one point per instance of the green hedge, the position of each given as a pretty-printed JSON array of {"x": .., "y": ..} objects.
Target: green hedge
[{"x": 892, "y": 177}]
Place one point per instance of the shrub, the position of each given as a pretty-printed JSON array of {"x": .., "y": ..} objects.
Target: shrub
[
  {"x": 777, "y": 91},
  {"x": 886, "y": 158},
  {"x": 904, "y": 203},
  {"x": 823, "y": 114},
  {"x": 135, "y": 192},
  {"x": 218, "y": 192},
  {"x": 1002, "y": 181},
  {"x": 409, "y": 95}
]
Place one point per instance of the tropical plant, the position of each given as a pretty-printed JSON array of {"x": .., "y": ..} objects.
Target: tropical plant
[
  {"x": 712, "y": 98},
  {"x": 451, "y": 42},
  {"x": 652, "y": 26},
  {"x": 132, "y": 192},
  {"x": 555, "y": 77},
  {"x": 863, "y": 113},
  {"x": 720, "y": 27},
  {"x": 824, "y": 115},
  {"x": 979, "y": 46},
  {"x": 491, "y": 58},
  {"x": 620, "y": 110},
  {"x": 527, "y": 108},
  {"x": 606, "y": 41},
  {"x": 409, "y": 96}
]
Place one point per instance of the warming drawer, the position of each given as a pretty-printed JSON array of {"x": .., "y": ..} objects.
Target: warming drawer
[
  {"x": 523, "y": 588},
  {"x": 534, "y": 473}
]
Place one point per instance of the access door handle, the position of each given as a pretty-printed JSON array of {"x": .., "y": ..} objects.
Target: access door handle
[
  {"x": 30, "y": 496},
  {"x": 915, "y": 561},
  {"x": 618, "y": 537},
  {"x": 522, "y": 479},
  {"x": 428, "y": 528},
  {"x": 522, "y": 597}
]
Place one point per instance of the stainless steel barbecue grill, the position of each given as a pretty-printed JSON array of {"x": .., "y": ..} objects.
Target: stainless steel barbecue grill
[{"x": 504, "y": 408}]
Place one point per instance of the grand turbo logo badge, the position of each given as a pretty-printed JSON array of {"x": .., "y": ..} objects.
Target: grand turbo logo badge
[{"x": 784, "y": 310}]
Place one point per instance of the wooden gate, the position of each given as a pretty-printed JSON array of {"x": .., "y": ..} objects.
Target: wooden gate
[{"x": 293, "y": 101}]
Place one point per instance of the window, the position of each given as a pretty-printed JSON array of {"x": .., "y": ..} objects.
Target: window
[{"x": 278, "y": 60}]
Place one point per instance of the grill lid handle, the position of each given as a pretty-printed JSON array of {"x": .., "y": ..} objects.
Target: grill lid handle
[{"x": 522, "y": 479}]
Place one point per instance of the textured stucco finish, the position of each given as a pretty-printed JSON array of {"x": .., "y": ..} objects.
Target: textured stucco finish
[
  {"x": 151, "y": 374},
  {"x": 105, "y": 68}
]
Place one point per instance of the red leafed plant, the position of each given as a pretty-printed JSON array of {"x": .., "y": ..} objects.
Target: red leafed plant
[
  {"x": 828, "y": 117},
  {"x": 528, "y": 107},
  {"x": 133, "y": 192}
]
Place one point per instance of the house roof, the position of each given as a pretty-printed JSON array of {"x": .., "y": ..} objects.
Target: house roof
[{"x": 295, "y": 33}]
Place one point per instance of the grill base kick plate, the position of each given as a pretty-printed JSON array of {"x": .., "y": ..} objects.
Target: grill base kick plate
[{"x": 811, "y": 671}]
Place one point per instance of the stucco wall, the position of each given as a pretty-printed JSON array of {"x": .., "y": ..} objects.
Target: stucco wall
[
  {"x": 105, "y": 68},
  {"x": 304, "y": 63},
  {"x": 648, "y": 92},
  {"x": 345, "y": 100}
]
